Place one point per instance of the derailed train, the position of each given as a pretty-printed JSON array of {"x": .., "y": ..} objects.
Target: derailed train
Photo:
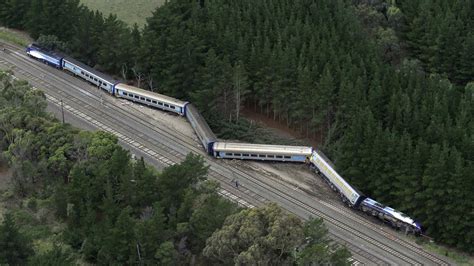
[
  {"x": 355, "y": 199},
  {"x": 229, "y": 150}
]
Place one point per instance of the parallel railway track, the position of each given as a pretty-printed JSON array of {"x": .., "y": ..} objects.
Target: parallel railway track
[{"x": 166, "y": 152}]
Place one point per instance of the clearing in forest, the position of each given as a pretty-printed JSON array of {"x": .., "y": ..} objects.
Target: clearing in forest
[{"x": 129, "y": 11}]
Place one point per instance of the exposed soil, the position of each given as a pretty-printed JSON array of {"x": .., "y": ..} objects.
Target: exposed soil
[{"x": 299, "y": 176}]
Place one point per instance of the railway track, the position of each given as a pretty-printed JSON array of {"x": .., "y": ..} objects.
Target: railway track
[{"x": 166, "y": 152}]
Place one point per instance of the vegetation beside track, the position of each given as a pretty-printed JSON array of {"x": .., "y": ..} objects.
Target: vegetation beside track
[{"x": 129, "y": 11}]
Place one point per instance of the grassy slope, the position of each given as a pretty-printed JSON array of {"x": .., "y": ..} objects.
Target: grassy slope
[
  {"x": 14, "y": 36},
  {"x": 129, "y": 11}
]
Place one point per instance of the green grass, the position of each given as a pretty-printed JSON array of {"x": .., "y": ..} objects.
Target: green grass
[
  {"x": 457, "y": 256},
  {"x": 129, "y": 11},
  {"x": 14, "y": 37}
]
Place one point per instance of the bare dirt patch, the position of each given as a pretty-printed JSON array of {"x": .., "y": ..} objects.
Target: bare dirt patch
[
  {"x": 298, "y": 176},
  {"x": 157, "y": 117}
]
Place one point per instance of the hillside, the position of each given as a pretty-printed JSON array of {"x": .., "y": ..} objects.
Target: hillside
[{"x": 128, "y": 11}]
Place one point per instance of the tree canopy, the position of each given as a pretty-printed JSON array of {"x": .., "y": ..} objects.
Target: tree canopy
[
  {"x": 116, "y": 210},
  {"x": 386, "y": 87}
]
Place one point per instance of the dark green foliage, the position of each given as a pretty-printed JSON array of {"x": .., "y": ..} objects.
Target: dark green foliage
[
  {"x": 416, "y": 158},
  {"x": 55, "y": 257},
  {"x": 117, "y": 211},
  {"x": 439, "y": 34},
  {"x": 316, "y": 249},
  {"x": 333, "y": 69},
  {"x": 268, "y": 236},
  {"x": 52, "y": 17},
  {"x": 208, "y": 213},
  {"x": 15, "y": 248},
  {"x": 51, "y": 42},
  {"x": 13, "y": 13}
]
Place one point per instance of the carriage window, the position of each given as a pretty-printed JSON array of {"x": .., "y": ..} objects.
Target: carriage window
[
  {"x": 82, "y": 72},
  {"x": 148, "y": 100},
  {"x": 261, "y": 155},
  {"x": 124, "y": 93},
  {"x": 253, "y": 155},
  {"x": 237, "y": 154},
  {"x": 246, "y": 155},
  {"x": 172, "y": 107},
  {"x": 167, "y": 105},
  {"x": 95, "y": 79},
  {"x": 287, "y": 157},
  {"x": 142, "y": 98},
  {"x": 279, "y": 156},
  {"x": 136, "y": 97},
  {"x": 153, "y": 101},
  {"x": 271, "y": 156},
  {"x": 160, "y": 103}
]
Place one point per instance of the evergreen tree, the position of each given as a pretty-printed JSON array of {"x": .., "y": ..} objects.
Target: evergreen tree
[
  {"x": 120, "y": 245},
  {"x": 15, "y": 248}
]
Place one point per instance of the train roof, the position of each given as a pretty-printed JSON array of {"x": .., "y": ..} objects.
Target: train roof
[
  {"x": 262, "y": 148},
  {"x": 320, "y": 153},
  {"x": 90, "y": 69},
  {"x": 48, "y": 52},
  {"x": 331, "y": 164},
  {"x": 193, "y": 114},
  {"x": 399, "y": 215},
  {"x": 150, "y": 94}
]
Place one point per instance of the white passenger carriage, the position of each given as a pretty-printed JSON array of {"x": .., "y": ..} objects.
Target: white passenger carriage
[
  {"x": 89, "y": 74},
  {"x": 242, "y": 151},
  {"x": 149, "y": 98},
  {"x": 200, "y": 126},
  {"x": 348, "y": 193},
  {"x": 261, "y": 152}
]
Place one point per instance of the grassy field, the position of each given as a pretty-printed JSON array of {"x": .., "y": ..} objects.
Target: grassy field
[
  {"x": 129, "y": 11},
  {"x": 14, "y": 37}
]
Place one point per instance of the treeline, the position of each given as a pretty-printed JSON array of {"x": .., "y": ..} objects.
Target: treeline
[
  {"x": 441, "y": 35},
  {"x": 104, "y": 42},
  {"x": 117, "y": 210},
  {"x": 437, "y": 33},
  {"x": 402, "y": 136},
  {"x": 338, "y": 70}
]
